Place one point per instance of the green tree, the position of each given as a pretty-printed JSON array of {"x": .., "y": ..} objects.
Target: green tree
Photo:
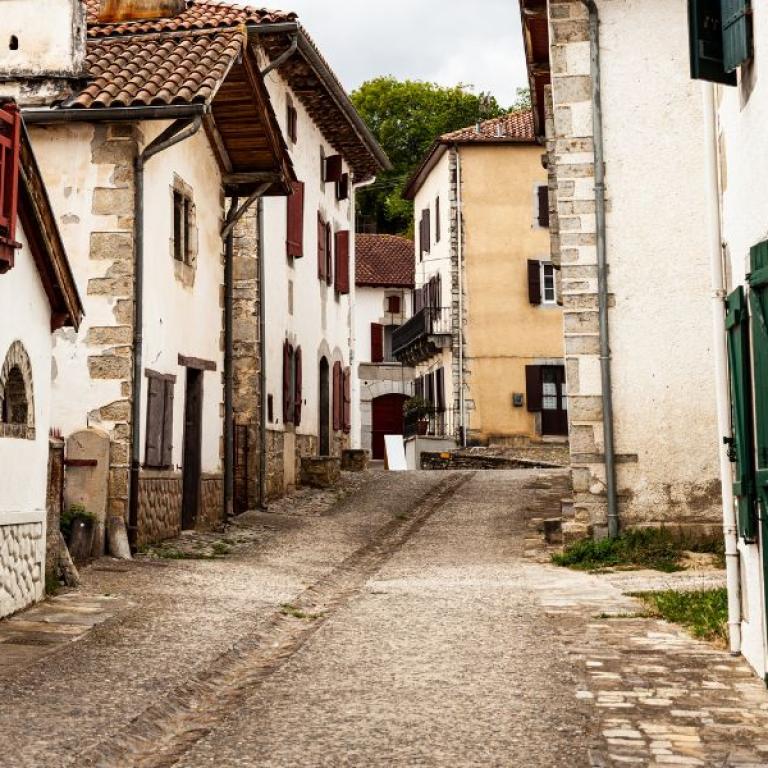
[{"x": 406, "y": 116}]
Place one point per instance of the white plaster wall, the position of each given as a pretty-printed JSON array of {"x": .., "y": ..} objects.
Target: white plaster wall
[
  {"x": 742, "y": 118},
  {"x": 658, "y": 253},
  {"x": 370, "y": 306},
  {"x": 180, "y": 320},
  {"x": 320, "y": 320}
]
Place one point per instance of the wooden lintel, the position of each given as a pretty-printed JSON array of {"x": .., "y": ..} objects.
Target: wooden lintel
[{"x": 196, "y": 363}]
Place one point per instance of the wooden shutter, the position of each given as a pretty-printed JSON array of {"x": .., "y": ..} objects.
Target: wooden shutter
[
  {"x": 544, "y": 206},
  {"x": 297, "y": 387},
  {"x": 328, "y": 254},
  {"x": 153, "y": 454},
  {"x": 737, "y": 33},
  {"x": 418, "y": 387},
  {"x": 534, "y": 388},
  {"x": 427, "y": 231},
  {"x": 337, "y": 396},
  {"x": 534, "y": 281},
  {"x": 287, "y": 383},
  {"x": 440, "y": 389},
  {"x": 322, "y": 235},
  {"x": 333, "y": 168},
  {"x": 295, "y": 239},
  {"x": 10, "y": 144},
  {"x": 742, "y": 450},
  {"x": 347, "y": 392},
  {"x": 342, "y": 188},
  {"x": 706, "y": 42},
  {"x": 437, "y": 220},
  {"x": 393, "y": 305},
  {"x": 168, "y": 423},
  {"x": 342, "y": 261},
  {"x": 377, "y": 343}
]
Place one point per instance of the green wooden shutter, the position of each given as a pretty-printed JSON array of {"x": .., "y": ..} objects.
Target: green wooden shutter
[
  {"x": 737, "y": 33},
  {"x": 742, "y": 453},
  {"x": 706, "y": 42}
]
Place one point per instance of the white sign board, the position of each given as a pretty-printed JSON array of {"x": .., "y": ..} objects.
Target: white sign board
[{"x": 395, "y": 453}]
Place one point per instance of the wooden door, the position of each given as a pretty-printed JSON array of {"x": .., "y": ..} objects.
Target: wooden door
[
  {"x": 325, "y": 409},
  {"x": 387, "y": 420},
  {"x": 193, "y": 441},
  {"x": 554, "y": 401}
]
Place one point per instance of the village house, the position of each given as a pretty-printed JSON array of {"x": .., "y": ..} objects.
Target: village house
[
  {"x": 486, "y": 331},
  {"x": 38, "y": 296},
  {"x": 384, "y": 276},
  {"x": 629, "y": 224}
]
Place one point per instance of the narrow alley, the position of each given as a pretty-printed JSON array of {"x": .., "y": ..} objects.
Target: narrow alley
[{"x": 402, "y": 620}]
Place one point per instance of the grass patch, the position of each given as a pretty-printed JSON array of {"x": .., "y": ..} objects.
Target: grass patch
[
  {"x": 703, "y": 613},
  {"x": 291, "y": 610},
  {"x": 220, "y": 548}
]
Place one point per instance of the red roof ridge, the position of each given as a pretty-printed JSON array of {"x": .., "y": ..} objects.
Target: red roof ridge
[{"x": 384, "y": 261}]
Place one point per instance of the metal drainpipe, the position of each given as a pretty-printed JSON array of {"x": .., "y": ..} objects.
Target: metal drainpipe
[
  {"x": 722, "y": 389},
  {"x": 263, "y": 367},
  {"x": 177, "y": 132},
  {"x": 460, "y": 269},
  {"x": 602, "y": 270}
]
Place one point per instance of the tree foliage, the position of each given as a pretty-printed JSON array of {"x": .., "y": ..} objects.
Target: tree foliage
[{"x": 406, "y": 116}]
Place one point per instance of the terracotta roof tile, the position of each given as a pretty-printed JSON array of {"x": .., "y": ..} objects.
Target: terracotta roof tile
[
  {"x": 384, "y": 260},
  {"x": 516, "y": 126}
]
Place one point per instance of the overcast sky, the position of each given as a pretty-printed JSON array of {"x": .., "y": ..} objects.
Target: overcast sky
[{"x": 446, "y": 41}]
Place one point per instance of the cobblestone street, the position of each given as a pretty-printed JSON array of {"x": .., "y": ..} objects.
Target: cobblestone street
[{"x": 407, "y": 620}]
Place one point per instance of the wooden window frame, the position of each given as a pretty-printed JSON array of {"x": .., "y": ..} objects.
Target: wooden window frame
[
  {"x": 292, "y": 121},
  {"x": 546, "y": 267}
]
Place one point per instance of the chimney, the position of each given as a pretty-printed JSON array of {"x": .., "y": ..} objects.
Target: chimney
[
  {"x": 132, "y": 10},
  {"x": 41, "y": 53}
]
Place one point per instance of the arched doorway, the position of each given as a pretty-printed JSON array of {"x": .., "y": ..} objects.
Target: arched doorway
[
  {"x": 387, "y": 420},
  {"x": 324, "y": 431}
]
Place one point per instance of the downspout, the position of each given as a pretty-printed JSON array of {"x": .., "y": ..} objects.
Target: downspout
[
  {"x": 178, "y": 131},
  {"x": 283, "y": 57},
  {"x": 602, "y": 270},
  {"x": 263, "y": 367},
  {"x": 460, "y": 269},
  {"x": 722, "y": 392}
]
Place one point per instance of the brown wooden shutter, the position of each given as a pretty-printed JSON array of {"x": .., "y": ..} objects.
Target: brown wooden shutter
[
  {"x": 297, "y": 387},
  {"x": 328, "y": 254},
  {"x": 534, "y": 388},
  {"x": 342, "y": 188},
  {"x": 347, "y": 391},
  {"x": 534, "y": 281},
  {"x": 377, "y": 343},
  {"x": 333, "y": 169},
  {"x": 337, "y": 396},
  {"x": 544, "y": 206},
  {"x": 322, "y": 236},
  {"x": 168, "y": 424},
  {"x": 342, "y": 261},
  {"x": 440, "y": 389},
  {"x": 295, "y": 239},
  {"x": 10, "y": 146},
  {"x": 437, "y": 220},
  {"x": 287, "y": 383},
  {"x": 427, "y": 231},
  {"x": 393, "y": 305},
  {"x": 153, "y": 455}
]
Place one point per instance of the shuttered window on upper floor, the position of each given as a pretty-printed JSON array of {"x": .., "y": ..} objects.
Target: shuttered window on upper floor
[
  {"x": 295, "y": 221},
  {"x": 720, "y": 34},
  {"x": 10, "y": 140}
]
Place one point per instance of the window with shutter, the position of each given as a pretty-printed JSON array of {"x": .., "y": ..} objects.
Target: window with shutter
[
  {"x": 168, "y": 423},
  {"x": 534, "y": 388},
  {"x": 342, "y": 262},
  {"x": 295, "y": 221},
  {"x": 10, "y": 144},
  {"x": 342, "y": 187},
  {"x": 328, "y": 254},
  {"x": 437, "y": 220},
  {"x": 333, "y": 169},
  {"x": 440, "y": 389},
  {"x": 742, "y": 449},
  {"x": 153, "y": 454},
  {"x": 287, "y": 383},
  {"x": 377, "y": 343},
  {"x": 543, "y": 211},
  {"x": 393, "y": 305},
  {"x": 297, "y": 387},
  {"x": 706, "y": 42},
  {"x": 292, "y": 121},
  {"x": 534, "y": 281},
  {"x": 547, "y": 284},
  {"x": 427, "y": 231},
  {"x": 337, "y": 396},
  {"x": 347, "y": 392},
  {"x": 737, "y": 33},
  {"x": 322, "y": 241}
]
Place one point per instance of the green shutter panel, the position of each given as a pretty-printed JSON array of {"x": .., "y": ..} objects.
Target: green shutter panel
[
  {"x": 737, "y": 33},
  {"x": 742, "y": 453},
  {"x": 706, "y": 42}
]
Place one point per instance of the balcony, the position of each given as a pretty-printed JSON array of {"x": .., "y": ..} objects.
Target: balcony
[
  {"x": 423, "y": 336},
  {"x": 434, "y": 423}
]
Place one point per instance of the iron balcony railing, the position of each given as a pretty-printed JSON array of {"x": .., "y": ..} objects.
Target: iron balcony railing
[
  {"x": 423, "y": 331},
  {"x": 434, "y": 423}
]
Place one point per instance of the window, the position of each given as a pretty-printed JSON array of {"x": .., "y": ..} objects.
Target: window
[
  {"x": 328, "y": 254},
  {"x": 17, "y": 407},
  {"x": 158, "y": 452},
  {"x": 338, "y": 397},
  {"x": 182, "y": 208},
  {"x": 542, "y": 210},
  {"x": 425, "y": 233},
  {"x": 548, "y": 291},
  {"x": 393, "y": 305},
  {"x": 342, "y": 187},
  {"x": 292, "y": 122},
  {"x": 377, "y": 343},
  {"x": 342, "y": 262},
  {"x": 14, "y": 406},
  {"x": 10, "y": 136},
  {"x": 389, "y": 332},
  {"x": 437, "y": 219},
  {"x": 322, "y": 246},
  {"x": 333, "y": 169},
  {"x": 292, "y": 384},
  {"x": 295, "y": 221},
  {"x": 270, "y": 409},
  {"x": 720, "y": 38}
]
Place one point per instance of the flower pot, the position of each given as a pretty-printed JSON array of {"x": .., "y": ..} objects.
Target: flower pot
[{"x": 423, "y": 427}]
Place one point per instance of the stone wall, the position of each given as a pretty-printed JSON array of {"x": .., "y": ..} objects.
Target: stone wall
[
  {"x": 159, "y": 507},
  {"x": 275, "y": 471},
  {"x": 54, "y": 496},
  {"x": 22, "y": 558},
  {"x": 211, "y": 514}
]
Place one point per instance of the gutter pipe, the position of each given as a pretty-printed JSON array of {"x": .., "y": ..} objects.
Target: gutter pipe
[
  {"x": 178, "y": 131},
  {"x": 460, "y": 258},
  {"x": 602, "y": 270},
  {"x": 112, "y": 114},
  {"x": 722, "y": 392},
  {"x": 283, "y": 57},
  {"x": 263, "y": 505}
]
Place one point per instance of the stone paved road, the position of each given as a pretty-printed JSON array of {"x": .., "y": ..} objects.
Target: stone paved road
[{"x": 400, "y": 624}]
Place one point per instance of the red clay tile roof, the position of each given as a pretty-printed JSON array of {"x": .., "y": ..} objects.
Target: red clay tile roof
[
  {"x": 384, "y": 260},
  {"x": 516, "y": 126}
]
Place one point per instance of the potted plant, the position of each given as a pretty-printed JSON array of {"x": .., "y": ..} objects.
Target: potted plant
[
  {"x": 78, "y": 526},
  {"x": 417, "y": 409}
]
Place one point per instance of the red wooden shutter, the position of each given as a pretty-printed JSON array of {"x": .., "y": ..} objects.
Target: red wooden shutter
[
  {"x": 297, "y": 387},
  {"x": 287, "y": 383},
  {"x": 342, "y": 261},
  {"x": 168, "y": 424},
  {"x": 544, "y": 206},
  {"x": 377, "y": 343},
  {"x": 333, "y": 168},
  {"x": 321, "y": 246},
  {"x": 393, "y": 305},
  {"x": 534, "y": 388},
  {"x": 534, "y": 281},
  {"x": 153, "y": 454},
  {"x": 10, "y": 144},
  {"x": 347, "y": 411},
  {"x": 295, "y": 239},
  {"x": 337, "y": 396},
  {"x": 328, "y": 254},
  {"x": 440, "y": 389},
  {"x": 342, "y": 188}
]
